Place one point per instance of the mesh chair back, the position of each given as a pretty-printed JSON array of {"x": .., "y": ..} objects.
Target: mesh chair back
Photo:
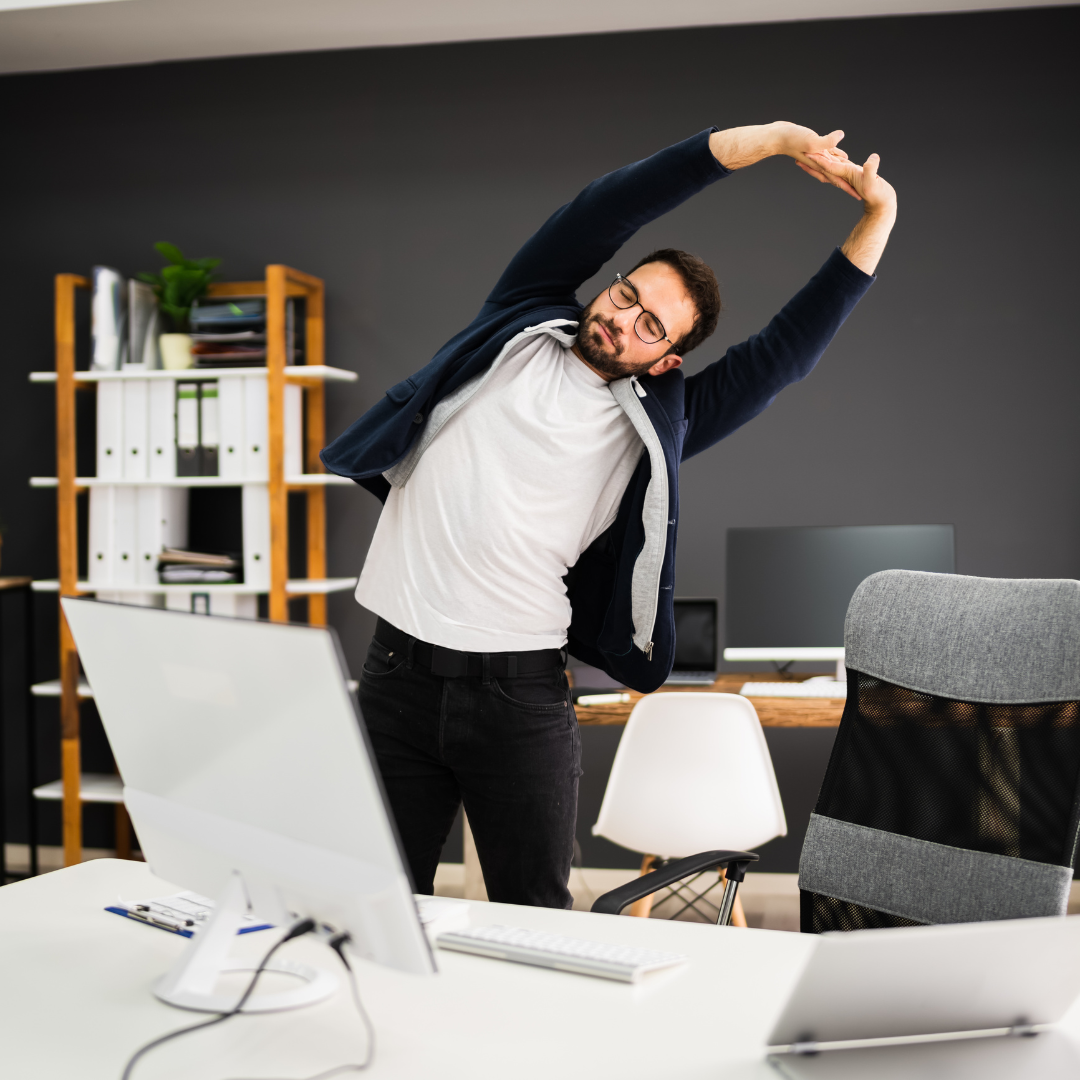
[
  {"x": 692, "y": 773},
  {"x": 952, "y": 790}
]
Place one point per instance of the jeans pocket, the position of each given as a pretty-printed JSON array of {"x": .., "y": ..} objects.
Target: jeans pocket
[
  {"x": 544, "y": 691},
  {"x": 381, "y": 661}
]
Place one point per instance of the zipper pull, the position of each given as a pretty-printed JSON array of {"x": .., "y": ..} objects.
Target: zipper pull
[
  {"x": 639, "y": 389},
  {"x": 648, "y": 651}
]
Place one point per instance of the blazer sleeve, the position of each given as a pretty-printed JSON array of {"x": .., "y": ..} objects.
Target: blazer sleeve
[
  {"x": 744, "y": 382},
  {"x": 576, "y": 241}
]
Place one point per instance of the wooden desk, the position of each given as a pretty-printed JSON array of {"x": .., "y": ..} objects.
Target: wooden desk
[{"x": 772, "y": 712}]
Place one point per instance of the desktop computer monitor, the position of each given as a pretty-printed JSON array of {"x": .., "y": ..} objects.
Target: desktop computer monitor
[
  {"x": 788, "y": 589},
  {"x": 248, "y": 778}
]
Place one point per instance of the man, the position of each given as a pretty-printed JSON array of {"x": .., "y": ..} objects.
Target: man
[{"x": 530, "y": 480}]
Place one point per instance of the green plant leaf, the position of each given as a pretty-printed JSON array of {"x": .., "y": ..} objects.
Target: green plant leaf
[{"x": 170, "y": 252}]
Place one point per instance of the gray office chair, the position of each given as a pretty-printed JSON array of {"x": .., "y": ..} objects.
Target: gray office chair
[{"x": 953, "y": 789}]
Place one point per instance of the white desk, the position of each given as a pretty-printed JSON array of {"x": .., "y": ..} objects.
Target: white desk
[{"x": 75, "y": 1000}]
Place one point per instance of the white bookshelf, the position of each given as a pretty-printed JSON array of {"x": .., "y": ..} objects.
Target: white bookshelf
[
  {"x": 294, "y": 587},
  {"x": 271, "y": 450},
  {"x": 93, "y": 788},
  {"x": 301, "y": 480},
  {"x": 297, "y": 372}
]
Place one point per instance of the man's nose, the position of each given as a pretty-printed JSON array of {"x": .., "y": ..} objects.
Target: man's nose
[{"x": 624, "y": 320}]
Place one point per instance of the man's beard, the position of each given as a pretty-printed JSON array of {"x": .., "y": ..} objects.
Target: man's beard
[{"x": 593, "y": 347}]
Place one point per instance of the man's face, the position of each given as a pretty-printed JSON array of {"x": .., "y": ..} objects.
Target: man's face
[{"x": 607, "y": 341}]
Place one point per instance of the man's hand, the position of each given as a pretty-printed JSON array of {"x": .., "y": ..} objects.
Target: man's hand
[
  {"x": 861, "y": 181},
  {"x": 738, "y": 147},
  {"x": 867, "y": 240}
]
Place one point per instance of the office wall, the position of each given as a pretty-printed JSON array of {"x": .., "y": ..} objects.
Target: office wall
[{"x": 407, "y": 178}]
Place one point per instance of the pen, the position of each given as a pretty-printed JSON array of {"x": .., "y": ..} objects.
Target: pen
[{"x": 141, "y": 911}]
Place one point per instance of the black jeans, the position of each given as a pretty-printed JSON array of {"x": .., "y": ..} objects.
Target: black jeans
[{"x": 509, "y": 749}]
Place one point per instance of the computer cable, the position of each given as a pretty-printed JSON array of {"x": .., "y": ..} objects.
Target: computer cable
[
  {"x": 298, "y": 929},
  {"x": 338, "y": 943}
]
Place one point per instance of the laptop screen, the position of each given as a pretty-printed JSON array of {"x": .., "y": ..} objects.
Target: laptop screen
[{"x": 695, "y": 635}]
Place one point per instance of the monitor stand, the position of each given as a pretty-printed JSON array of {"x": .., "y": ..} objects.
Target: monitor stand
[{"x": 191, "y": 982}]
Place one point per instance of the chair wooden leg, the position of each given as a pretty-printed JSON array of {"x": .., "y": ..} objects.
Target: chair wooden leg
[
  {"x": 123, "y": 832},
  {"x": 738, "y": 916},
  {"x": 640, "y": 909}
]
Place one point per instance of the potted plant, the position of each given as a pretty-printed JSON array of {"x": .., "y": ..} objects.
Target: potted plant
[{"x": 177, "y": 287}]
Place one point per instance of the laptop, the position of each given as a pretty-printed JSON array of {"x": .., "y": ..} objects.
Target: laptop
[
  {"x": 695, "y": 642},
  {"x": 893, "y": 998}
]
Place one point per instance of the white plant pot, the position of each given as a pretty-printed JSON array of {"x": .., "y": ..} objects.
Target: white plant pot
[{"x": 176, "y": 352}]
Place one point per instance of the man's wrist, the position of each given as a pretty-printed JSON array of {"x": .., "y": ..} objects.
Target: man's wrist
[
  {"x": 772, "y": 140},
  {"x": 736, "y": 148},
  {"x": 880, "y": 214}
]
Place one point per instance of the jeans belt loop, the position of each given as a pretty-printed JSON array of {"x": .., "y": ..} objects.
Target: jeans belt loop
[
  {"x": 511, "y": 667},
  {"x": 487, "y": 668},
  {"x": 412, "y": 650}
]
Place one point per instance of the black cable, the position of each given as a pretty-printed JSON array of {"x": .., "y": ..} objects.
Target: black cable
[
  {"x": 337, "y": 943},
  {"x": 304, "y": 926}
]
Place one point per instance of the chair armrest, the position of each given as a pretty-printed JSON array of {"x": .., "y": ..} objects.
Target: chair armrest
[{"x": 611, "y": 903}]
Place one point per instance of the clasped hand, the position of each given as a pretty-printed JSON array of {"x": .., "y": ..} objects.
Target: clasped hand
[{"x": 821, "y": 157}]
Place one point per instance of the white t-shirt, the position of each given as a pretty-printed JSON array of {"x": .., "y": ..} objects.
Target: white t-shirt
[{"x": 471, "y": 552}]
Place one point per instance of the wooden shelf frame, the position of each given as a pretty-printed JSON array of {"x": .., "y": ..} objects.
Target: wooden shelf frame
[{"x": 280, "y": 284}]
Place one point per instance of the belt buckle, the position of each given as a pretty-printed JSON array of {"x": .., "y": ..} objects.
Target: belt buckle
[{"x": 449, "y": 662}]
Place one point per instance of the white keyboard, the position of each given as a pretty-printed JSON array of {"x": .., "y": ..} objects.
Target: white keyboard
[
  {"x": 622, "y": 962},
  {"x": 826, "y": 688}
]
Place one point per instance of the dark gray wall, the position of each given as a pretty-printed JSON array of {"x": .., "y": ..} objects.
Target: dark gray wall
[{"x": 407, "y": 178}]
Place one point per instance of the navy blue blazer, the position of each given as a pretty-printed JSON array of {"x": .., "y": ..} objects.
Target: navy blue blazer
[{"x": 688, "y": 415}]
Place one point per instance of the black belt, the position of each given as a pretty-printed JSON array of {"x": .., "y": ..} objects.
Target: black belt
[{"x": 455, "y": 664}]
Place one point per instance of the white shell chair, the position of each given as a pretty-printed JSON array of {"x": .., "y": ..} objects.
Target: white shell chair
[{"x": 692, "y": 775}]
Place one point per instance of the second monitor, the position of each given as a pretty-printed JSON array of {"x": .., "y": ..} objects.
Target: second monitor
[{"x": 791, "y": 586}]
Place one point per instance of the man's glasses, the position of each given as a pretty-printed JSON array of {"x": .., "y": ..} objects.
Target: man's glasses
[{"x": 647, "y": 326}]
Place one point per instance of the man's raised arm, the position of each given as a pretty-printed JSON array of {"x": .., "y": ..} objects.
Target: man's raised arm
[
  {"x": 737, "y": 387},
  {"x": 576, "y": 241}
]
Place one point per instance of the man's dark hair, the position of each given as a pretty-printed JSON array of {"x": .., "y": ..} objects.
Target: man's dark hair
[{"x": 700, "y": 283}]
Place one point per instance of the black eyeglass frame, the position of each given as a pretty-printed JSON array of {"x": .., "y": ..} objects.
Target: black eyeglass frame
[{"x": 620, "y": 280}]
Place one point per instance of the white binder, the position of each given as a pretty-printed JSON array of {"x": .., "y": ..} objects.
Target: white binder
[
  {"x": 256, "y": 465},
  {"x": 101, "y": 550},
  {"x": 187, "y": 429},
  {"x": 162, "y": 522},
  {"x": 294, "y": 430},
  {"x": 231, "y": 427},
  {"x": 110, "y": 429},
  {"x": 136, "y": 428},
  {"x": 256, "y": 524},
  {"x": 187, "y": 415},
  {"x": 161, "y": 438},
  {"x": 125, "y": 535}
]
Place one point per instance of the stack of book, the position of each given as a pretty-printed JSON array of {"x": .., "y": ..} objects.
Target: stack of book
[
  {"x": 124, "y": 323},
  {"x": 232, "y": 333},
  {"x": 177, "y": 567}
]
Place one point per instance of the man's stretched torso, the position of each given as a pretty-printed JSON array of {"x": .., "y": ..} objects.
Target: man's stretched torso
[{"x": 470, "y": 554}]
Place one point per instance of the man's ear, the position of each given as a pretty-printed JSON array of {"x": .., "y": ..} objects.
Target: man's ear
[{"x": 668, "y": 363}]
